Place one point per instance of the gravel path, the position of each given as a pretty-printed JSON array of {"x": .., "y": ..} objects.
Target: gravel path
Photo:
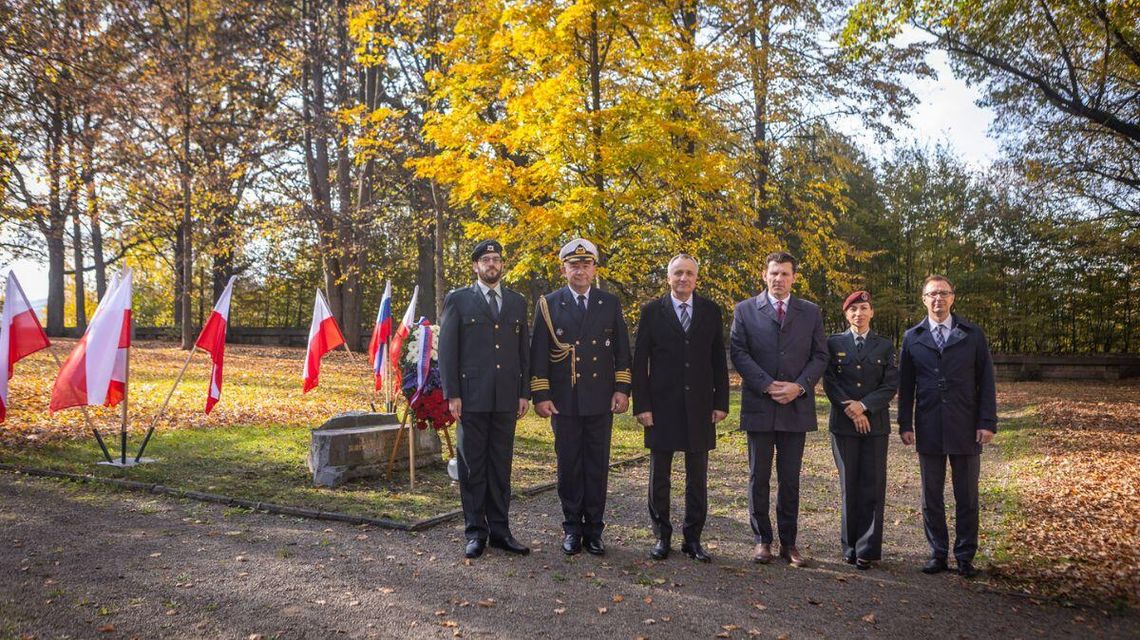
[{"x": 83, "y": 561}]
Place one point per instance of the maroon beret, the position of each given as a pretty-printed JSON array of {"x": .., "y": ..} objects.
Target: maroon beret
[{"x": 858, "y": 296}]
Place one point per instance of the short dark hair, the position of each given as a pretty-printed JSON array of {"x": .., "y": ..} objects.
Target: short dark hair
[
  {"x": 780, "y": 257},
  {"x": 934, "y": 277}
]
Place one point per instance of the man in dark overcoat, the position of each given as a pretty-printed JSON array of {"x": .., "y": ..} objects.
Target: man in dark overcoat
[
  {"x": 861, "y": 380},
  {"x": 779, "y": 349},
  {"x": 948, "y": 409},
  {"x": 680, "y": 392},
  {"x": 580, "y": 377},
  {"x": 483, "y": 357}
]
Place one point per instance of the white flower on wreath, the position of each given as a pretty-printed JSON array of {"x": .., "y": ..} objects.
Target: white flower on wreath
[{"x": 413, "y": 344}]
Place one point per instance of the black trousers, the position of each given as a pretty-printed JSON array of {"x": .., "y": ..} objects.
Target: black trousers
[
  {"x": 862, "y": 464},
  {"x": 789, "y": 450},
  {"x": 964, "y": 472},
  {"x": 486, "y": 443},
  {"x": 696, "y": 493},
  {"x": 582, "y": 445}
]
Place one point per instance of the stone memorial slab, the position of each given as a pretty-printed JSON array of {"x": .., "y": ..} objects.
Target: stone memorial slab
[{"x": 356, "y": 444}]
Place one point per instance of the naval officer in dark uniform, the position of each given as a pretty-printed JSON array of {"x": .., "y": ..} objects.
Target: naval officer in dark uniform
[
  {"x": 580, "y": 377},
  {"x": 860, "y": 380},
  {"x": 483, "y": 356}
]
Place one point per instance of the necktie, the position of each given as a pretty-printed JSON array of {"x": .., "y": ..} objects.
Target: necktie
[
  {"x": 859, "y": 343},
  {"x": 494, "y": 300},
  {"x": 939, "y": 339},
  {"x": 686, "y": 319},
  {"x": 780, "y": 311},
  {"x": 582, "y": 304}
]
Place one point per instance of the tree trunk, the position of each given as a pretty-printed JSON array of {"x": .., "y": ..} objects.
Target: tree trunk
[
  {"x": 77, "y": 258},
  {"x": 759, "y": 20},
  {"x": 187, "y": 219}
]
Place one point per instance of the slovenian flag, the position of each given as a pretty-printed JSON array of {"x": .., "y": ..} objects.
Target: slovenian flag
[{"x": 381, "y": 334}]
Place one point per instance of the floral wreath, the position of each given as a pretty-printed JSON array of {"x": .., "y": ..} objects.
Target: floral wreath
[{"x": 419, "y": 367}]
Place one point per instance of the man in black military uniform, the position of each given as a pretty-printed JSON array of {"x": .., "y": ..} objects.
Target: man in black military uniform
[
  {"x": 580, "y": 377},
  {"x": 860, "y": 380},
  {"x": 483, "y": 365}
]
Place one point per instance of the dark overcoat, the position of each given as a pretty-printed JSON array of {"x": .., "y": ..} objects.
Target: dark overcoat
[
  {"x": 869, "y": 375},
  {"x": 481, "y": 361},
  {"x": 681, "y": 376},
  {"x": 946, "y": 397},
  {"x": 763, "y": 351},
  {"x": 601, "y": 351}
]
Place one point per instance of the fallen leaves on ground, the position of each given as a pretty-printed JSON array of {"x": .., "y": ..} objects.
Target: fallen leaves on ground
[{"x": 1077, "y": 533}]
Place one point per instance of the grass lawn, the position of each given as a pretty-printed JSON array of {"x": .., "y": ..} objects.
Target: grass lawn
[{"x": 255, "y": 443}]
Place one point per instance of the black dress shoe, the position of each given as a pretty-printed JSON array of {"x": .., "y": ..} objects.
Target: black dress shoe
[
  {"x": 572, "y": 544},
  {"x": 475, "y": 548},
  {"x": 594, "y": 546},
  {"x": 695, "y": 551},
  {"x": 862, "y": 564},
  {"x": 967, "y": 570},
  {"x": 510, "y": 545},
  {"x": 660, "y": 549},
  {"x": 934, "y": 565}
]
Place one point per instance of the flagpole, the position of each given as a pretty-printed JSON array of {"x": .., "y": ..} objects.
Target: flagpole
[
  {"x": 86, "y": 415},
  {"x": 165, "y": 402},
  {"x": 126, "y": 397}
]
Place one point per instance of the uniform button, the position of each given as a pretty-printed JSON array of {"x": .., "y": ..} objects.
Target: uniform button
[
  {"x": 858, "y": 384},
  {"x": 593, "y": 342},
  {"x": 858, "y": 366},
  {"x": 577, "y": 342},
  {"x": 578, "y": 359},
  {"x": 498, "y": 366},
  {"x": 595, "y": 375},
  {"x": 595, "y": 358},
  {"x": 686, "y": 364},
  {"x": 686, "y": 387},
  {"x": 496, "y": 346},
  {"x": 577, "y": 375},
  {"x": 496, "y": 326}
]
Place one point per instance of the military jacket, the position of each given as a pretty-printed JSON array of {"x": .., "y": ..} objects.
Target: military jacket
[
  {"x": 869, "y": 375},
  {"x": 482, "y": 361},
  {"x": 581, "y": 383}
]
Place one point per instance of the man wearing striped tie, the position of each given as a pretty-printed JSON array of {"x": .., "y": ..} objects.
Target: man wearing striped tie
[
  {"x": 680, "y": 392},
  {"x": 948, "y": 408}
]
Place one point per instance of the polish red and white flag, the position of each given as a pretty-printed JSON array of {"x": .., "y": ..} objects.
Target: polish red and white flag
[
  {"x": 20, "y": 335},
  {"x": 95, "y": 372},
  {"x": 324, "y": 336},
  {"x": 213, "y": 340}
]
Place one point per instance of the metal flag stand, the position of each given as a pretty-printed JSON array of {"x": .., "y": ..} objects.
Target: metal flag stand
[{"x": 123, "y": 461}]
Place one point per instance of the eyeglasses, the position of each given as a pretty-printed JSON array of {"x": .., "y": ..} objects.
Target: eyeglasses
[{"x": 938, "y": 294}]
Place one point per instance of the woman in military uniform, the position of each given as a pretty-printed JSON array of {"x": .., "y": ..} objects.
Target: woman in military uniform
[{"x": 861, "y": 379}]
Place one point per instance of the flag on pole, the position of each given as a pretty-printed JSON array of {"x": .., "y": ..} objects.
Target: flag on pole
[
  {"x": 20, "y": 335},
  {"x": 381, "y": 334},
  {"x": 423, "y": 358},
  {"x": 400, "y": 335},
  {"x": 94, "y": 373},
  {"x": 213, "y": 340},
  {"x": 324, "y": 336}
]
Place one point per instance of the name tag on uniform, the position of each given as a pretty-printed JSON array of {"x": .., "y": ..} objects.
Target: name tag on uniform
[{"x": 841, "y": 354}]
